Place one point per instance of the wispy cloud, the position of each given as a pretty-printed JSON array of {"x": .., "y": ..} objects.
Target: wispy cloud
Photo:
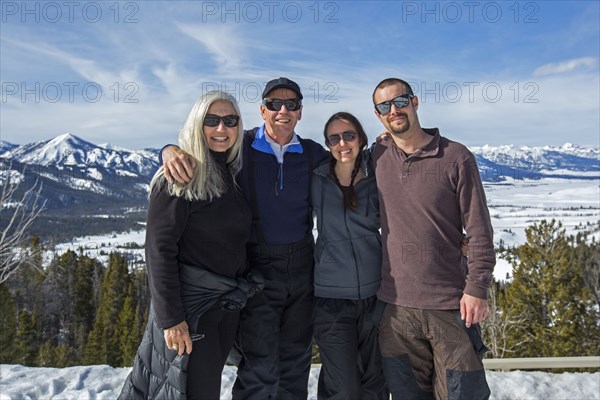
[
  {"x": 566, "y": 66},
  {"x": 226, "y": 46},
  {"x": 86, "y": 68}
]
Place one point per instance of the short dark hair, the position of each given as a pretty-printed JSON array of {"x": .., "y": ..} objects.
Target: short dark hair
[{"x": 392, "y": 81}]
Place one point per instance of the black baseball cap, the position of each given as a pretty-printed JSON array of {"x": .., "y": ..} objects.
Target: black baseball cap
[{"x": 281, "y": 83}]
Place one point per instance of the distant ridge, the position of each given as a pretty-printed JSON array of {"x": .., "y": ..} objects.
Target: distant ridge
[
  {"x": 496, "y": 163},
  {"x": 103, "y": 188}
]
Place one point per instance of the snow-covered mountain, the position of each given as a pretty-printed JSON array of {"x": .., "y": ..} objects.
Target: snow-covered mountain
[
  {"x": 495, "y": 162},
  {"x": 86, "y": 188},
  {"x": 568, "y": 161},
  {"x": 69, "y": 150},
  {"x": 68, "y": 161},
  {"x": 84, "y": 180}
]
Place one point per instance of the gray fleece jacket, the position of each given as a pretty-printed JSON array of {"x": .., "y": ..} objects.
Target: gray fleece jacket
[{"x": 348, "y": 247}]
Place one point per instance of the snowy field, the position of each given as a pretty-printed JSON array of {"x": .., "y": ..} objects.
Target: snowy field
[
  {"x": 104, "y": 382},
  {"x": 517, "y": 205},
  {"x": 514, "y": 205}
]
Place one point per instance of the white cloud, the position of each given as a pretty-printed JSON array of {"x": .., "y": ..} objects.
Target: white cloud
[{"x": 565, "y": 66}]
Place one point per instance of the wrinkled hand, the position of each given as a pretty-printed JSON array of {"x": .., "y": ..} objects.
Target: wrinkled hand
[
  {"x": 178, "y": 164},
  {"x": 178, "y": 338},
  {"x": 473, "y": 309}
]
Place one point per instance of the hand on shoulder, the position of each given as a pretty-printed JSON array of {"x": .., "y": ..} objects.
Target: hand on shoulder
[{"x": 179, "y": 165}]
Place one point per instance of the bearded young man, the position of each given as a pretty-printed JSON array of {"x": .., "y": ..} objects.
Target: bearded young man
[{"x": 430, "y": 192}]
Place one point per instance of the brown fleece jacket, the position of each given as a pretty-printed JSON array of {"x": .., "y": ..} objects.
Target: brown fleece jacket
[{"x": 426, "y": 201}]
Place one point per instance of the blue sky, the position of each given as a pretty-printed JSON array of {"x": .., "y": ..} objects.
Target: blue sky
[{"x": 486, "y": 72}]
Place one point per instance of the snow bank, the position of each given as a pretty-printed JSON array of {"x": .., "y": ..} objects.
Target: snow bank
[{"x": 103, "y": 382}]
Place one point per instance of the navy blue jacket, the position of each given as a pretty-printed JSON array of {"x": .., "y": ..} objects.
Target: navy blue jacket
[{"x": 279, "y": 194}]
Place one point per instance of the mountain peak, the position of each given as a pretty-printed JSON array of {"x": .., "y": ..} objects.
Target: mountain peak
[
  {"x": 65, "y": 136},
  {"x": 70, "y": 140},
  {"x": 65, "y": 149}
]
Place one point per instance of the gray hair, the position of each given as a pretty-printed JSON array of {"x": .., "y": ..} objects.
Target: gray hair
[{"x": 207, "y": 182}]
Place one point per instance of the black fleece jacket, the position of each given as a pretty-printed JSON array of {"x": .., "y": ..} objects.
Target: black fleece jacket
[{"x": 211, "y": 235}]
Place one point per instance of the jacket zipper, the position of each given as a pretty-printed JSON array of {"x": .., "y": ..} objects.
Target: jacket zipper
[
  {"x": 353, "y": 252},
  {"x": 279, "y": 180}
]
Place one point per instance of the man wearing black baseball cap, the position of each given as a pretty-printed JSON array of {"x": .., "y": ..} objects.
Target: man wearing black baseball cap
[
  {"x": 282, "y": 83},
  {"x": 275, "y": 332}
]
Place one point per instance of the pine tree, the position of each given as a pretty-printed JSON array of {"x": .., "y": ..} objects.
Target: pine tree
[
  {"x": 8, "y": 325},
  {"x": 58, "y": 291},
  {"x": 95, "y": 347},
  {"x": 65, "y": 356},
  {"x": 26, "y": 286},
  {"x": 84, "y": 302},
  {"x": 549, "y": 292},
  {"x": 143, "y": 297},
  {"x": 127, "y": 332},
  {"x": 588, "y": 256},
  {"x": 46, "y": 356},
  {"x": 27, "y": 303},
  {"x": 103, "y": 344},
  {"x": 27, "y": 341}
]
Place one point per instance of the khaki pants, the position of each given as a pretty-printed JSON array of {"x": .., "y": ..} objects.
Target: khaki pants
[{"x": 429, "y": 353}]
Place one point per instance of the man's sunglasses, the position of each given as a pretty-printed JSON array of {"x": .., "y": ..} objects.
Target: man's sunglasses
[
  {"x": 400, "y": 102},
  {"x": 276, "y": 104},
  {"x": 214, "y": 120},
  {"x": 335, "y": 139}
]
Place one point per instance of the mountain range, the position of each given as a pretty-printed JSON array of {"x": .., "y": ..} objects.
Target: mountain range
[
  {"x": 100, "y": 188},
  {"x": 87, "y": 188}
]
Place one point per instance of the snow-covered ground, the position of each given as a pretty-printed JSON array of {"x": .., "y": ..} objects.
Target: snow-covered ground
[
  {"x": 103, "y": 382},
  {"x": 101, "y": 246},
  {"x": 516, "y": 205}
]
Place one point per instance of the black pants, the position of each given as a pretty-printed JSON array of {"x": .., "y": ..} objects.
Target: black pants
[
  {"x": 346, "y": 333},
  {"x": 209, "y": 354},
  {"x": 275, "y": 332}
]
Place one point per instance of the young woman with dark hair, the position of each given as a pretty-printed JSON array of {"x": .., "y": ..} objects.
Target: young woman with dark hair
[{"x": 347, "y": 265}]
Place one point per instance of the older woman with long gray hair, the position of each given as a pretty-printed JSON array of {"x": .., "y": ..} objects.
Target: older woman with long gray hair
[{"x": 196, "y": 258}]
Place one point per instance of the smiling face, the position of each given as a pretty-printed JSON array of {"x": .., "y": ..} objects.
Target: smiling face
[
  {"x": 220, "y": 138},
  {"x": 345, "y": 151},
  {"x": 399, "y": 120},
  {"x": 281, "y": 124}
]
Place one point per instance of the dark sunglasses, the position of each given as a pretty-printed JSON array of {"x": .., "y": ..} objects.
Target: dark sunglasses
[
  {"x": 276, "y": 104},
  {"x": 335, "y": 139},
  {"x": 400, "y": 102},
  {"x": 214, "y": 120}
]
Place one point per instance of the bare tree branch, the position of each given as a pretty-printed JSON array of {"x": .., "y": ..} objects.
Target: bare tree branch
[
  {"x": 21, "y": 214},
  {"x": 498, "y": 325}
]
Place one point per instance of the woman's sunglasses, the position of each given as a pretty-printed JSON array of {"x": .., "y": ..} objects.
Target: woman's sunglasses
[
  {"x": 335, "y": 139},
  {"x": 214, "y": 120},
  {"x": 400, "y": 102},
  {"x": 276, "y": 104}
]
